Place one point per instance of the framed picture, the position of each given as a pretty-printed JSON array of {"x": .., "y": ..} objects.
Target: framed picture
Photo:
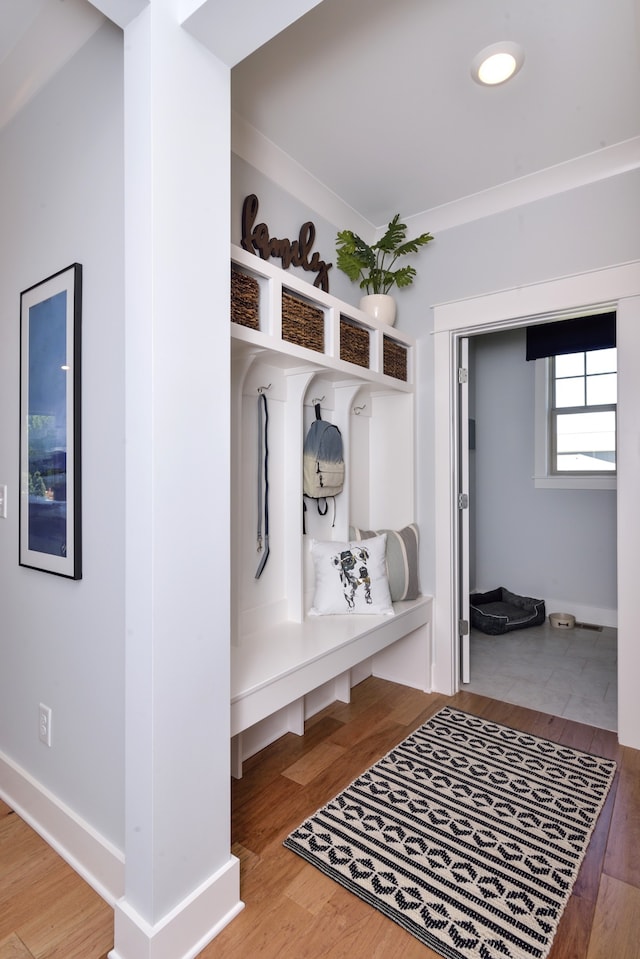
[{"x": 50, "y": 487}]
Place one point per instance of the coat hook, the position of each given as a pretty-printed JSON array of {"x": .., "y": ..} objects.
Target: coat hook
[
  {"x": 317, "y": 399},
  {"x": 263, "y": 389},
  {"x": 358, "y": 409}
]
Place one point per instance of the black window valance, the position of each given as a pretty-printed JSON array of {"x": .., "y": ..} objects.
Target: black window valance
[{"x": 596, "y": 332}]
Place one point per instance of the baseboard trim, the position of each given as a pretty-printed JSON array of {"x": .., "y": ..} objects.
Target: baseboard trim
[
  {"x": 185, "y": 931},
  {"x": 98, "y": 861}
]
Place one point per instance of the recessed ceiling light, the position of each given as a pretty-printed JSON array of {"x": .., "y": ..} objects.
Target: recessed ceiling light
[{"x": 497, "y": 63}]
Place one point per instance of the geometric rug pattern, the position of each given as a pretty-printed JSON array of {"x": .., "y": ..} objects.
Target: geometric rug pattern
[{"x": 468, "y": 834}]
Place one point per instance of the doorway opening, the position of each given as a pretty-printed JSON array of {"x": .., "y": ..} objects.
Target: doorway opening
[
  {"x": 616, "y": 288},
  {"x": 536, "y": 542}
]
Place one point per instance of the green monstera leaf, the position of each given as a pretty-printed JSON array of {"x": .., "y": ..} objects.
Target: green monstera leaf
[{"x": 372, "y": 265}]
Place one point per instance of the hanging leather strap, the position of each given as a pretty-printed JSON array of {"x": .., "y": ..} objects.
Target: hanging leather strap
[{"x": 263, "y": 482}]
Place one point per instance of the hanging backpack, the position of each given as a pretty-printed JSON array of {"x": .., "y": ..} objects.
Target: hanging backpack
[{"x": 323, "y": 462}]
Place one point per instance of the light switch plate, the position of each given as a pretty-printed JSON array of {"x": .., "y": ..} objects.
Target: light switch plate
[{"x": 3, "y": 502}]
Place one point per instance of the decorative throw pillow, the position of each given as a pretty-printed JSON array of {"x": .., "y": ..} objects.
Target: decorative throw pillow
[
  {"x": 402, "y": 558},
  {"x": 350, "y": 578}
]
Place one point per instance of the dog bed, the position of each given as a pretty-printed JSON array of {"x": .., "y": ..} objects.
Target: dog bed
[{"x": 500, "y": 611}]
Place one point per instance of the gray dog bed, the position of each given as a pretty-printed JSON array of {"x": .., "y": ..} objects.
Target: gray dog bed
[{"x": 500, "y": 611}]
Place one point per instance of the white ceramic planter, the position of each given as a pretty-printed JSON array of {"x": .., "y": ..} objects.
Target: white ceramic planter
[{"x": 381, "y": 306}]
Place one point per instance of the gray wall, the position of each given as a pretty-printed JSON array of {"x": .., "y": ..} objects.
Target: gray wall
[
  {"x": 546, "y": 543},
  {"x": 588, "y": 228},
  {"x": 61, "y": 200},
  {"x": 284, "y": 215}
]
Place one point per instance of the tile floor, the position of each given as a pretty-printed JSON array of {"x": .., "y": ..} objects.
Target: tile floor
[{"x": 570, "y": 673}]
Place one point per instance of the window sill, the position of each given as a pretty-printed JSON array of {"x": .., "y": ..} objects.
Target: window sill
[{"x": 575, "y": 482}]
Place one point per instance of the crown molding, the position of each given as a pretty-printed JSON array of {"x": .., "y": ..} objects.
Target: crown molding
[
  {"x": 280, "y": 167},
  {"x": 592, "y": 167},
  {"x": 274, "y": 163}
]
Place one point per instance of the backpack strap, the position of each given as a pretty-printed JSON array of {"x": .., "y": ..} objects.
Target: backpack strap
[
  {"x": 263, "y": 466},
  {"x": 304, "y": 505},
  {"x": 320, "y": 501},
  {"x": 323, "y": 512}
]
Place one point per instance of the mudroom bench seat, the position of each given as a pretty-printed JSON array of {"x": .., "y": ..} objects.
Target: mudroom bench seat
[{"x": 282, "y": 675}]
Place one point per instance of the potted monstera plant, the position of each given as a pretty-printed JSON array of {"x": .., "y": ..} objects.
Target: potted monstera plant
[{"x": 374, "y": 266}]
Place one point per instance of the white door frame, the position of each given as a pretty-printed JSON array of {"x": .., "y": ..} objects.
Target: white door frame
[
  {"x": 617, "y": 286},
  {"x": 462, "y": 512}
]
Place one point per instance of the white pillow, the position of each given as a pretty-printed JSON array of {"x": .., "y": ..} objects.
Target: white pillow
[{"x": 351, "y": 578}]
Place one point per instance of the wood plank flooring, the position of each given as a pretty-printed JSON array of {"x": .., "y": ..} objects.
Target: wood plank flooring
[
  {"x": 46, "y": 910},
  {"x": 292, "y": 911},
  {"x": 14, "y": 948}
]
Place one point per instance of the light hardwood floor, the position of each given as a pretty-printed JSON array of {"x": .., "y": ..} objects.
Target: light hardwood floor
[
  {"x": 292, "y": 911},
  {"x": 46, "y": 909}
]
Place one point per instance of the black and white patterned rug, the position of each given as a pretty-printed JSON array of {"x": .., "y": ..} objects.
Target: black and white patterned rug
[{"x": 468, "y": 834}]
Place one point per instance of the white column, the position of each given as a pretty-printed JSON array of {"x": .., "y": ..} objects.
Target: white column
[{"x": 181, "y": 883}]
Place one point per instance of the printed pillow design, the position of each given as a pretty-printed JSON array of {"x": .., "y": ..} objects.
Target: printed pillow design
[{"x": 350, "y": 578}]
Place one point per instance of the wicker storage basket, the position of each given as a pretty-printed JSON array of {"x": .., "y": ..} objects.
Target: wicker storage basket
[
  {"x": 245, "y": 300},
  {"x": 302, "y": 323},
  {"x": 354, "y": 343},
  {"x": 394, "y": 359}
]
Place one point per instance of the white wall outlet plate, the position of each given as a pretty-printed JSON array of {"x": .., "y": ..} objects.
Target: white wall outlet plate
[{"x": 44, "y": 724}]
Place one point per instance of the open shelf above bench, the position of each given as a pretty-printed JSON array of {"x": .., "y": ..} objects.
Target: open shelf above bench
[{"x": 272, "y": 309}]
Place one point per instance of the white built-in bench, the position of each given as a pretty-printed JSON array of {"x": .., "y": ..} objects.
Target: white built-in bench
[
  {"x": 282, "y": 675},
  {"x": 285, "y": 665}
]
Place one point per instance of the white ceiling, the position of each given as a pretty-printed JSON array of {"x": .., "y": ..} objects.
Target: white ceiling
[{"x": 374, "y": 97}]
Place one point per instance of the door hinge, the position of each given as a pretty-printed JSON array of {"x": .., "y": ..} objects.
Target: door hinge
[
  {"x": 463, "y": 375},
  {"x": 463, "y": 501},
  {"x": 463, "y": 627}
]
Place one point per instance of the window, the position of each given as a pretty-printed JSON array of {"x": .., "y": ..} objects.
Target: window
[
  {"x": 576, "y": 395},
  {"x": 582, "y": 414}
]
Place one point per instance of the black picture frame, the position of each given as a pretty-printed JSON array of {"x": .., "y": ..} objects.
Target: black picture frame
[{"x": 50, "y": 523}]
